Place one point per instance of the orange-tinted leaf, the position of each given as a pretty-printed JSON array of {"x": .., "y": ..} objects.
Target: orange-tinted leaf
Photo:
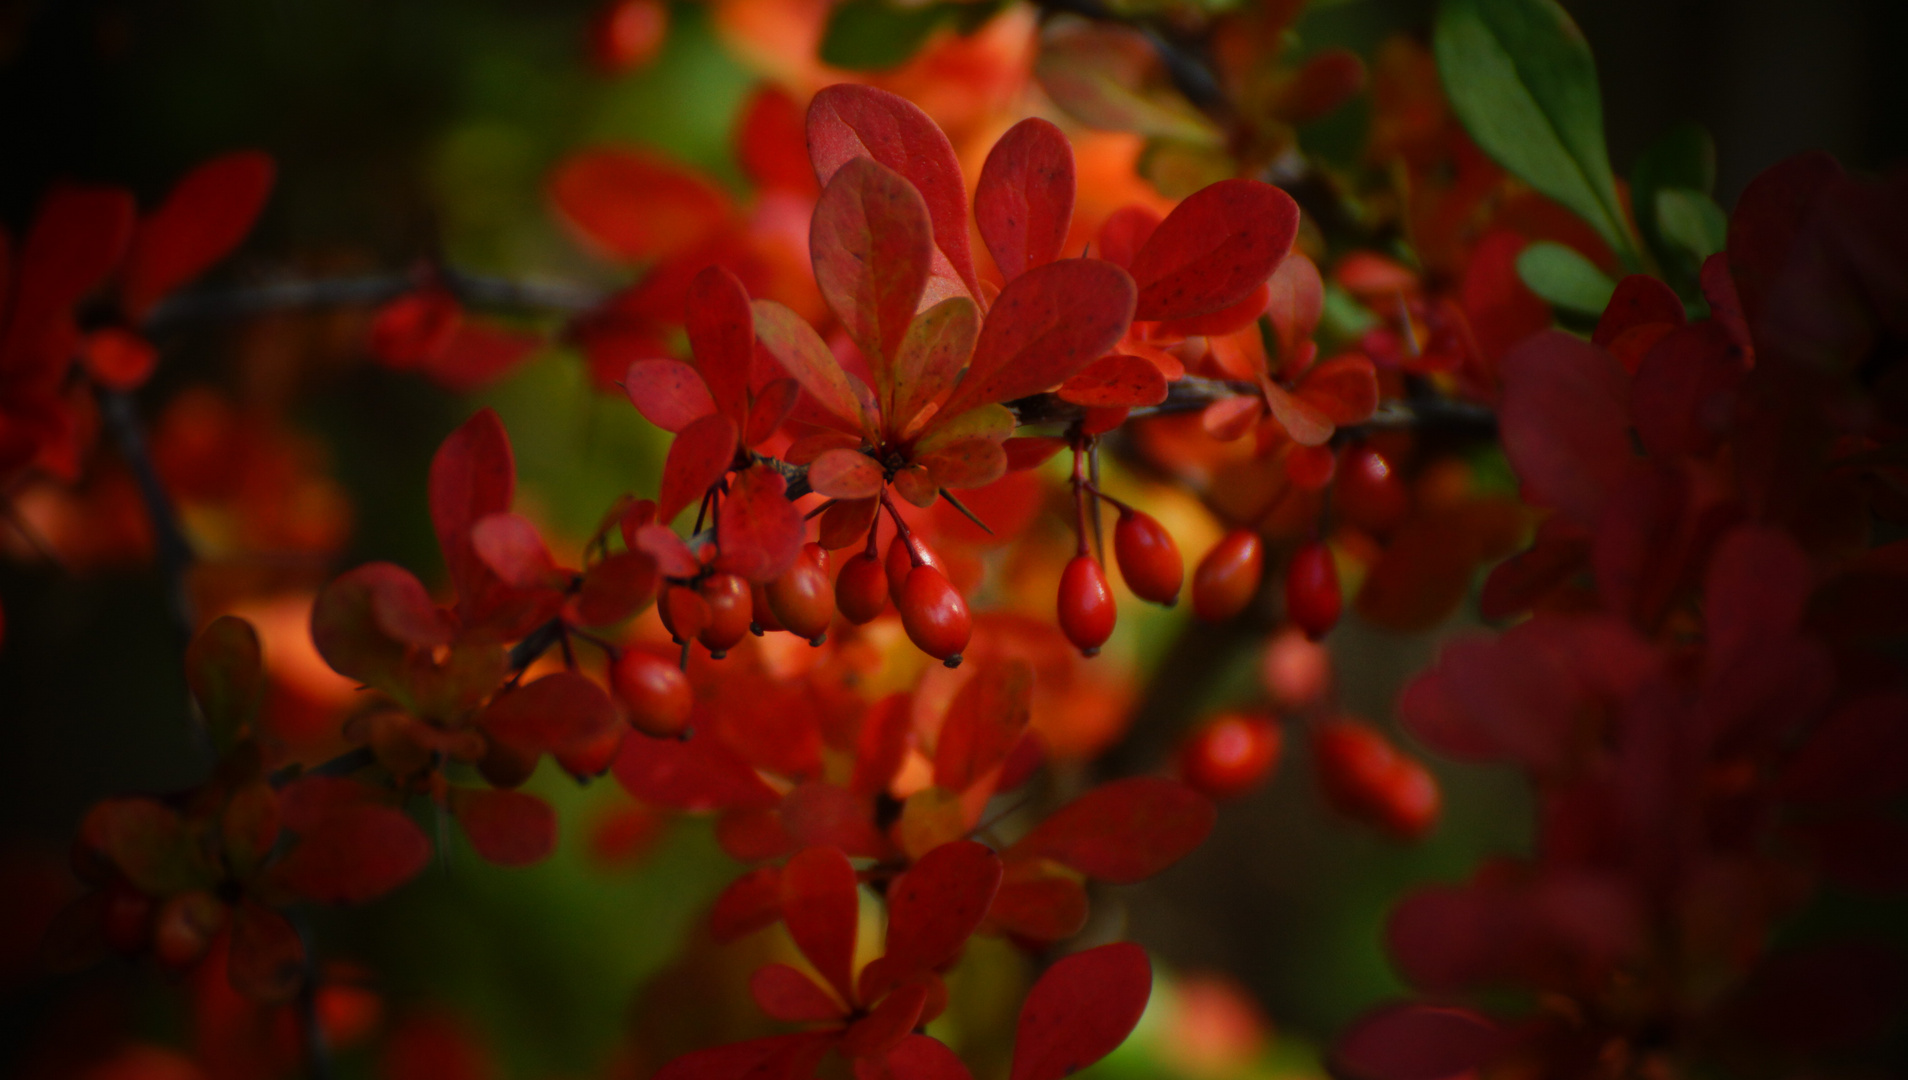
[
  {"x": 558, "y": 714},
  {"x": 933, "y": 351},
  {"x": 356, "y": 853},
  {"x": 809, "y": 362},
  {"x": 1116, "y": 380},
  {"x": 749, "y": 903},
  {"x": 669, "y": 393},
  {"x": 819, "y": 814},
  {"x": 1305, "y": 422},
  {"x": 508, "y": 828},
  {"x": 267, "y": 958},
  {"x": 1344, "y": 388},
  {"x": 513, "y": 550},
  {"x": 204, "y": 217},
  {"x": 847, "y": 121},
  {"x": 225, "y": 667},
  {"x": 1045, "y": 326},
  {"x": 1125, "y": 831},
  {"x": 1218, "y": 245},
  {"x": 636, "y": 206},
  {"x": 787, "y": 995},
  {"x": 722, "y": 336},
  {"x": 1416, "y": 1042},
  {"x": 821, "y": 908},
  {"x": 985, "y": 720},
  {"x": 845, "y": 474},
  {"x": 698, "y": 458},
  {"x": 938, "y": 903},
  {"x": 871, "y": 245},
  {"x": 1081, "y": 1010},
  {"x": 1024, "y": 202},
  {"x": 760, "y": 532}
]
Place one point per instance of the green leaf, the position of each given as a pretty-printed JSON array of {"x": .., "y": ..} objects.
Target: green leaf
[
  {"x": 1564, "y": 278},
  {"x": 873, "y": 35},
  {"x": 1683, "y": 157},
  {"x": 1691, "y": 223},
  {"x": 1520, "y": 76}
]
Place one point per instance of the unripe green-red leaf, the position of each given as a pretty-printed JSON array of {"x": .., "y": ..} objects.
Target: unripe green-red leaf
[
  {"x": 1046, "y": 326},
  {"x": 1024, "y": 202},
  {"x": 932, "y": 353},
  {"x": 202, "y": 219},
  {"x": 871, "y": 245},
  {"x": 697, "y": 459},
  {"x": 669, "y": 393},
  {"x": 807, "y": 359},
  {"x": 1125, "y": 831},
  {"x": 845, "y": 474},
  {"x": 226, "y": 670},
  {"x": 821, "y": 908},
  {"x": 1081, "y": 1010},
  {"x": 1217, "y": 246}
]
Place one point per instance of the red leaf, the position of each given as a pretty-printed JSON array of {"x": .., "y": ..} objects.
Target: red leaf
[
  {"x": 118, "y": 359},
  {"x": 1233, "y": 317},
  {"x": 886, "y": 1024},
  {"x": 887, "y": 732},
  {"x": 1046, "y": 325},
  {"x": 821, "y": 815},
  {"x": 513, "y": 550},
  {"x": 1682, "y": 398},
  {"x": 1565, "y": 423},
  {"x": 1344, "y": 388},
  {"x": 1040, "y": 908},
  {"x": 1125, "y": 831},
  {"x": 78, "y": 236},
  {"x": 871, "y": 247},
  {"x": 473, "y": 475},
  {"x": 635, "y": 206},
  {"x": 984, "y": 721},
  {"x": 355, "y": 853},
  {"x": 1304, "y": 421},
  {"x": 1757, "y": 587},
  {"x": 204, "y": 217},
  {"x": 1124, "y": 232},
  {"x": 1770, "y": 215},
  {"x": 1116, "y": 380},
  {"x": 846, "y": 523},
  {"x": 809, "y": 362},
  {"x": 671, "y": 552},
  {"x": 147, "y": 841},
  {"x": 1639, "y": 300},
  {"x": 698, "y": 458},
  {"x": 938, "y": 903},
  {"x": 845, "y": 474},
  {"x": 964, "y": 463},
  {"x": 821, "y": 907},
  {"x": 749, "y": 903},
  {"x": 509, "y": 828},
  {"x": 777, "y": 1057},
  {"x": 616, "y": 588},
  {"x": 669, "y": 393},
  {"x": 267, "y": 958},
  {"x": 1024, "y": 202},
  {"x": 1823, "y": 996},
  {"x": 1327, "y": 81},
  {"x": 773, "y": 403},
  {"x": 771, "y": 146},
  {"x": 787, "y": 995},
  {"x": 847, "y": 121},
  {"x": 699, "y": 774},
  {"x": 365, "y": 620},
  {"x": 1218, "y": 245},
  {"x": 1081, "y": 1010},
  {"x": 225, "y": 668},
  {"x": 915, "y": 1057},
  {"x": 722, "y": 336},
  {"x": 937, "y": 345},
  {"x": 415, "y": 328},
  {"x": 761, "y": 531},
  {"x": 1031, "y": 451},
  {"x": 1416, "y": 1042},
  {"x": 560, "y": 714}
]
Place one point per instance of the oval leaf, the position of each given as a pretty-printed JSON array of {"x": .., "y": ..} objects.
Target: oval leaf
[
  {"x": 1081, "y": 1010},
  {"x": 1024, "y": 203},
  {"x": 1046, "y": 325},
  {"x": 1125, "y": 831},
  {"x": 1214, "y": 249}
]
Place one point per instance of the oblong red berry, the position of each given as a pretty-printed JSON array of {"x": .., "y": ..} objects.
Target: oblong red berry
[
  {"x": 1227, "y": 579},
  {"x": 1312, "y": 598},
  {"x": 861, "y": 589},
  {"x": 684, "y": 612},
  {"x": 1230, "y": 754},
  {"x": 655, "y": 691},
  {"x": 1085, "y": 605},
  {"x": 762, "y": 617},
  {"x": 934, "y": 615},
  {"x": 730, "y": 612},
  {"x": 1149, "y": 561},
  {"x": 1365, "y": 777},
  {"x": 900, "y": 562},
  {"x": 1369, "y": 492},
  {"x": 801, "y": 598}
]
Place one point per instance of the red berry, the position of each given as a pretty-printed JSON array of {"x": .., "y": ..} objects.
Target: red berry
[
  {"x": 684, "y": 612},
  {"x": 1294, "y": 669},
  {"x": 729, "y": 613},
  {"x": 800, "y": 598},
  {"x": 655, "y": 691},
  {"x": 1365, "y": 777},
  {"x": 1370, "y": 495},
  {"x": 1149, "y": 560},
  {"x": 900, "y": 562},
  {"x": 1230, "y": 754},
  {"x": 761, "y": 616},
  {"x": 861, "y": 590},
  {"x": 934, "y": 615},
  {"x": 1086, "y": 607},
  {"x": 1228, "y": 577},
  {"x": 626, "y": 34},
  {"x": 185, "y": 928},
  {"x": 1312, "y": 599}
]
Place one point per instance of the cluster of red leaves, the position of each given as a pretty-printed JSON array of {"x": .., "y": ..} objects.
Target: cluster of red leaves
[{"x": 1698, "y": 700}]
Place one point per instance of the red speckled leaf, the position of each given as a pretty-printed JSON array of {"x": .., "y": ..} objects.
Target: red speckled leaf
[
  {"x": 267, "y": 961},
  {"x": 697, "y": 459},
  {"x": 1344, "y": 388},
  {"x": 1639, "y": 300},
  {"x": 938, "y": 903},
  {"x": 760, "y": 533},
  {"x": 786, "y": 994},
  {"x": 819, "y": 814},
  {"x": 777, "y": 1057},
  {"x": 202, "y": 219},
  {"x": 749, "y": 903},
  {"x": 696, "y": 774},
  {"x": 1416, "y": 1042},
  {"x": 821, "y": 906},
  {"x": 871, "y": 244},
  {"x": 915, "y": 1057},
  {"x": 1565, "y": 423},
  {"x": 964, "y": 463},
  {"x": 1219, "y": 244},
  {"x": 1081, "y": 1010},
  {"x": 1125, "y": 831},
  {"x": 1229, "y": 319},
  {"x": 722, "y": 336},
  {"x": 1045, "y": 326},
  {"x": 513, "y": 550},
  {"x": 845, "y": 474},
  {"x": 1024, "y": 202},
  {"x": 635, "y": 206},
  {"x": 984, "y": 721},
  {"x": 1116, "y": 380},
  {"x": 937, "y": 345},
  {"x": 78, "y": 236},
  {"x": 508, "y": 828},
  {"x": 772, "y": 405},
  {"x": 561, "y": 713},
  {"x": 669, "y": 393},
  {"x": 473, "y": 474},
  {"x": 356, "y": 853},
  {"x": 846, "y": 121},
  {"x": 808, "y": 361}
]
